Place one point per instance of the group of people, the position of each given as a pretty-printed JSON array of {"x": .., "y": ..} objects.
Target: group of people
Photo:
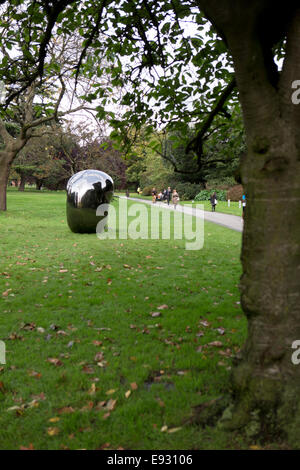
[{"x": 165, "y": 195}]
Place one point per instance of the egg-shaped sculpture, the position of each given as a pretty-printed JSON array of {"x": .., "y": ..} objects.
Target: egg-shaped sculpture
[{"x": 86, "y": 191}]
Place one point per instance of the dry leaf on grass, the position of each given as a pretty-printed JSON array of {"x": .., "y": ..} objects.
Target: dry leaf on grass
[
  {"x": 56, "y": 362},
  {"x": 174, "y": 430},
  {"x": 54, "y": 420},
  {"x": 52, "y": 431},
  {"x": 66, "y": 410},
  {"x": 30, "y": 447},
  {"x": 134, "y": 386}
]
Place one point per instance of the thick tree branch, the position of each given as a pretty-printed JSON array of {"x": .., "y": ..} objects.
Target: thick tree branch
[
  {"x": 197, "y": 143},
  {"x": 7, "y": 138}
]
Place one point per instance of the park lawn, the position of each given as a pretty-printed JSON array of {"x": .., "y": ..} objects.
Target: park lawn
[
  {"x": 222, "y": 206},
  {"x": 87, "y": 365}
]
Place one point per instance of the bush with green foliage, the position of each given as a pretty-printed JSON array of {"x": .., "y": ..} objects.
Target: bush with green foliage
[
  {"x": 187, "y": 190},
  {"x": 205, "y": 194},
  {"x": 222, "y": 182},
  {"x": 147, "y": 191}
]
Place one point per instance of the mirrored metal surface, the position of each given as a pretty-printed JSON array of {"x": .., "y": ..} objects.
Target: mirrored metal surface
[{"x": 86, "y": 190}]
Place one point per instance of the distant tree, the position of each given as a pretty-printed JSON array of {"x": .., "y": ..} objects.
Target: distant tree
[
  {"x": 43, "y": 99},
  {"x": 101, "y": 155}
]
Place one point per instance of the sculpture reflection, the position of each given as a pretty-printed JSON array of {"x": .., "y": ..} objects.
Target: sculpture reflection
[{"x": 86, "y": 190}]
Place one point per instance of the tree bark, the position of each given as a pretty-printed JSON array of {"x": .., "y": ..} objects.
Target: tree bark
[
  {"x": 5, "y": 164},
  {"x": 39, "y": 184},
  {"x": 265, "y": 382},
  {"x": 22, "y": 182}
]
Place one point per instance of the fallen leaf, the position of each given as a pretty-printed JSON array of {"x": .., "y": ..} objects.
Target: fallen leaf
[
  {"x": 28, "y": 326},
  {"x": 162, "y": 307},
  {"x": 204, "y": 323},
  {"x": 88, "y": 406},
  {"x": 66, "y": 410},
  {"x": 61, "y": 333},
  {"x": 100, "y": 405},
  {"x": 54, "y": 327},
  {"x": 53, "y": 431},
  {"x": 99, "y": 356},
  {"x": 221, "y": 331},
  {"x": 217, "y": 344},
  {"x": 33, "y": 404},
  {"x": 15, "y": 408},
  {"x": 14, "y": 336},
  {"x": 199, "y": 334},
  {"x": 54, "y": 420},
  {"x": 55, "y": 361},
  {"x": 33, "y": 373},
  {"x": 30, "y": 447},
  {"x": 134, "y": 386},
  {"x": 127, "y": 394},
  {"x": 110, "y": 405},
  {"x": 155, "y": 314},
  {"x": 174, "y": 430},
  {"x": 88, "y": 369},
  {"x": 104, "y": 446},
  {"x": 92, "y": 390},
  {"x": 5, "y": 293}
]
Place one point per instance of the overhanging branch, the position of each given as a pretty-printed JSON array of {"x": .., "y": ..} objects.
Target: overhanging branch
[{"x": 197, "y": 143}]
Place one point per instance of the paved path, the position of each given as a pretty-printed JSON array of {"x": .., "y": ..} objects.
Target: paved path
[{"x": 233, "y": 222}]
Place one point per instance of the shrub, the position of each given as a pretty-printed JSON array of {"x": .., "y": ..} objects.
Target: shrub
[
  {"x": 187, "y": 191},
  {"x": 205, "y": 194},
  {"x": 147, "y": 191},
  {"x": 235, "y": 193},
  {"x": 225, "y": 182}
]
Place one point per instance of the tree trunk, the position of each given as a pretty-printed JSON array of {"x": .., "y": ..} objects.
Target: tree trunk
[
  {"x": 265, "y": 382},
  {"x": 4, "y": 174},
  {"x": 39, "y": 184},
  {"x": 22, "y": 182}
]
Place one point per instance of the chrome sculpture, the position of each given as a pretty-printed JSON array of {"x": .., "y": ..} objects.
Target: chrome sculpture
[{"x": 87, "y": 190}]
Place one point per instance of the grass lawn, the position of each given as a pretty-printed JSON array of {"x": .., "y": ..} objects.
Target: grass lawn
[
  {"x": 108, "y": 341},
  {"x": 222, "y": 206}
]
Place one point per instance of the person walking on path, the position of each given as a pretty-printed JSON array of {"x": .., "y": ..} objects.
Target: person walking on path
[
  {"x": 175, "y": 198},
  {"x": 243, "y": 204},
  {"x": 169, "y": 195},
  {"x": 154, "y": 195},
  {"x": 213, "y": 201}
]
